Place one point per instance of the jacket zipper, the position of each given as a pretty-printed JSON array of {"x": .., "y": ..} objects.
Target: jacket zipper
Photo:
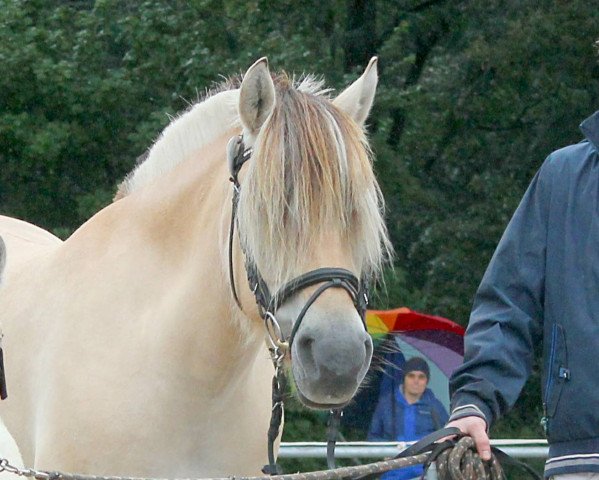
[{"x": 545, "y": 418}]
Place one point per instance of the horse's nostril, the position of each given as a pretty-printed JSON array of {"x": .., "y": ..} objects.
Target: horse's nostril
[{"x": 305, "y": 343}]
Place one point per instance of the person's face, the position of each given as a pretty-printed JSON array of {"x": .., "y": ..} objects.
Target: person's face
[{"x": 415, "y": 383}]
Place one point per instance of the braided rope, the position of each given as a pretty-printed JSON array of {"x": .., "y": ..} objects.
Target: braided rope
[
  {"x": 335, "y": 474},
  {"x": 463, "y": 463},
  {"x": 460, "y": 462}
]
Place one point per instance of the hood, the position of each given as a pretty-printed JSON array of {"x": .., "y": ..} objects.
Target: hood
[
  {"x": 590, "y": 129},
  {"x": 393, "y": 373}
]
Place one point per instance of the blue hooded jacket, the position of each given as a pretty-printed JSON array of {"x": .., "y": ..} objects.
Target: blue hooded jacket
[
  {"x": 394, "y": 419},
  {"x": 543, "y": 282}
]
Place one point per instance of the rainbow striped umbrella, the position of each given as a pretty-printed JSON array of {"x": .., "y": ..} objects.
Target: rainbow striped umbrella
[
  {"x": 436, "y": 339},
  {"x": 398, "y": 335}
]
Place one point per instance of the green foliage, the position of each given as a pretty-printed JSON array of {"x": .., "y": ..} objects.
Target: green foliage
[
  {"x": 472, "y": 97},
  {"x": 503, "y": 87}
]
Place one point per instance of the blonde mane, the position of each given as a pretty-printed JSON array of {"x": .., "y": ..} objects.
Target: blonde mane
[
  {"x": 184, "y": 136},
  {"x": 311, "y": 174}
]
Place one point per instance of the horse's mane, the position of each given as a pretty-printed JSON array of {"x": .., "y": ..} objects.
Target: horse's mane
[
  {"x": 311, "y": 175},
  {"x": 186, "y": 134}
]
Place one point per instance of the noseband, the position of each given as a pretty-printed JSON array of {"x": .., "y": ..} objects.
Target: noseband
[{"x": 268, "y": 305}]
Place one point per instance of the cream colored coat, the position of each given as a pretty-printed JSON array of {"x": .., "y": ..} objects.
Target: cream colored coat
[{"x": 127, "y": 369}]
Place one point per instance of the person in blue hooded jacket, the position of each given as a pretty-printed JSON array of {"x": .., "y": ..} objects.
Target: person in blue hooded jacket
[
  {"x": 542, "y": 285},
  {"x": 406, "y": 412}
]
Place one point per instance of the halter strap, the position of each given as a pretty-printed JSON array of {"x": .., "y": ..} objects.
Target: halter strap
[{"x": 237, "y": 155}]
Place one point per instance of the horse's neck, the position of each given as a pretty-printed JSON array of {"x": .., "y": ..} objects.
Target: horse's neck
[{"x": 172, "y": 234}]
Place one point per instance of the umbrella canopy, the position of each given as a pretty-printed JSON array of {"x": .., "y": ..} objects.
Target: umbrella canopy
[
  {"x": 436, "y": 339},
  {"x": 399, "y": 335}
]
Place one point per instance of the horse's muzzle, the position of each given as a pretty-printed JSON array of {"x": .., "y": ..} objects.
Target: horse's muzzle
[{"x": 328, "y": 367}]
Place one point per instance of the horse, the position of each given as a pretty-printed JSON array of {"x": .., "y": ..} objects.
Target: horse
[
  {"x": 136, "y": 347},
  {"x": 8, "y": 447}
]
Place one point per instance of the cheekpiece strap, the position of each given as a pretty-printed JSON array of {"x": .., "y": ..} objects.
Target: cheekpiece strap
[
  {"x": 258, "y": 287},
  {"x": 237, "y": 155}
]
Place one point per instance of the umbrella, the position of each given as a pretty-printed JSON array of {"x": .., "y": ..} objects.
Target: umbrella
[
  {"x": 398, "y": 335},
  {"x": 436, "y": 339}
]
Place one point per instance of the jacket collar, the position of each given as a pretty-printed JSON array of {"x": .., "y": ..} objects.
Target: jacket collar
[{"x": 590, "y": 128}]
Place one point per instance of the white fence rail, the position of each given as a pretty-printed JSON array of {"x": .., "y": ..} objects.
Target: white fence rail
[{"x": 535, "y": 448}]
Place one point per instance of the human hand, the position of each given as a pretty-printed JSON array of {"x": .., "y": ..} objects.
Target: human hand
[{"x": 476, "y": 427}]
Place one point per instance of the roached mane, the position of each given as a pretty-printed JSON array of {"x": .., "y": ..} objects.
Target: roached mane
[{"x": 310, "y": 174}]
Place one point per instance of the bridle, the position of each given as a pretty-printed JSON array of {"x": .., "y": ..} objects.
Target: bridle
[{"x": 268, "y": 304}]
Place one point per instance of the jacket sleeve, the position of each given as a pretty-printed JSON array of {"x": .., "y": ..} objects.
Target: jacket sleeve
[
  {"x": 376, "y": 432},
  {"x": 441, "y": 412},
  {"x": 507, "y": 314}
]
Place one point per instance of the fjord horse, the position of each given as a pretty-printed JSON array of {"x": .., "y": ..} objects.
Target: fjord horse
[{"x": 126, "y": 352}]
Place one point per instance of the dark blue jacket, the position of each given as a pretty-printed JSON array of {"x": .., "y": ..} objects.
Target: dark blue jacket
[
  {"x": 543, "y": 283},
  {"x": 395, "y": 419}
]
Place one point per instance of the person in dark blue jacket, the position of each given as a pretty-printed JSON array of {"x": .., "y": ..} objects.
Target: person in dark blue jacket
[
  {"x": 406, "y": 412},
  {"x": 542, "y": 284}
]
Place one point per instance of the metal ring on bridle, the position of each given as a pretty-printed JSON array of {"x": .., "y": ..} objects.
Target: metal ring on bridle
[{"x": 275, "y": 335}]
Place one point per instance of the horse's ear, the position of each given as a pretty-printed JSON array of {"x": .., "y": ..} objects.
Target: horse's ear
[
  {"x": 256, "y": 96},
  {"x": 2, "y": 257},
  {"x": 356, "y": 99}
]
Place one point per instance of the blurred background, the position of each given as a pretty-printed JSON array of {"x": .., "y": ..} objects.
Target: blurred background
[{"x": 473, "y": 95}]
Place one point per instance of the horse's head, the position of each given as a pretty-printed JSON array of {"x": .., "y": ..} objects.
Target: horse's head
[{"x": 310, "y": 222}]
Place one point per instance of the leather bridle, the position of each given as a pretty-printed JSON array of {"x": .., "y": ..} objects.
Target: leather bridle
[{"x": 268, "y": 304}]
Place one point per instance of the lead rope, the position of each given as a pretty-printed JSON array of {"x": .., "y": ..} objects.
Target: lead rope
[
  {"x": 332, "y": 434},
  {"x": 455, "y": 461},
  {"x": 279, "y": 386},
  {"x": 3, "y": 392}
]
